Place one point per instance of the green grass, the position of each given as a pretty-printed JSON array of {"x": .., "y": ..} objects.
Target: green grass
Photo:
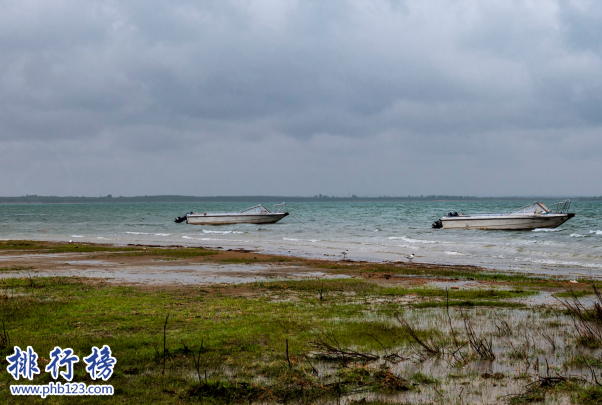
[
  {"x": 573, "y": 294},
  {"x": 465, "y": 294},
  {"x": 482, "y": 303},
  {"x": 177, "y": 253},
  {"x": 452, "y": 272},
  {"x": 589, "y": 395},
  {"x": 421, "y": 378},
  {"x": 583, "y": 360},
  {"x": 15, "y": 268},
  {"x": 238, "y": 332},
  {"x": 261, "y": 259},
  {"x": 49, "y": 247}
]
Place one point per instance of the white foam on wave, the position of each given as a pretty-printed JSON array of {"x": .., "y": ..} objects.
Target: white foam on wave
[
  {"x": 596, "y": 232},
  {"x": 163, "y": 234},
  {"x": 214, "y": 239},
  {"x": 410, "y": 240},
  {"x": 138, "y": 233},
  {"x": 528, "y": 242},
  {"x": 576, "y": 235},
  {"x": 545, "y": 230},
  {"x": 76, "y": 236},
  {"x": 221, "y": 232},
  {"x": 448, "y": 252},
  {"x": 190, "y": 237},
  {"x": 302, "y": 240}
]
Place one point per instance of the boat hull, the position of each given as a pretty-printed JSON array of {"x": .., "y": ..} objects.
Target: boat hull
[
  {"x": 506, "y": 222},
  {"x": 229, "y": 219}
]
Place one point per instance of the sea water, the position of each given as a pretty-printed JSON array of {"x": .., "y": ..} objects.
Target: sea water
[{"x": 377, "y": 231}]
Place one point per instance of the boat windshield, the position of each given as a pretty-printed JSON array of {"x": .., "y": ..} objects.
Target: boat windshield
[{"x": 535, "y": 208}]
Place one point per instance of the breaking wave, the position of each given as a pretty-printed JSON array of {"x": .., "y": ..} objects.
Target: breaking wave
[
  {"x": 302, "y": 240},
  {"x": 410, "y": 240},
  {"x": 221, "y": 232}
]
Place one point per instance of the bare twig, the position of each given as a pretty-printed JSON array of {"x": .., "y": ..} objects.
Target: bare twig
[
  {"x": 164, "y": 340},
  {"x": 288, "y": 358},
  {"x": 587, "y": 322},
  {"x": 4, "y": 338},
  {"x": 326, "y": 345},
  {"x": 480, "y": 345},
  {"x": 550, "y": 340},
  {"x": 429, "y": 347},
  {"x": 197, "y": 361}
]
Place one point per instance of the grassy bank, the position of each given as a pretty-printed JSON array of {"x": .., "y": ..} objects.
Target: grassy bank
[{"x": 363, "y": 339}]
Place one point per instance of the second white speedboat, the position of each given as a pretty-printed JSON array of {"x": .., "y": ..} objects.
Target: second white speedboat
[{"x": 532, "y": 216}]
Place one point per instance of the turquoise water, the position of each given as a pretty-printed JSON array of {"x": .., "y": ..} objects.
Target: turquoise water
[{"x": 371, "y": 231}]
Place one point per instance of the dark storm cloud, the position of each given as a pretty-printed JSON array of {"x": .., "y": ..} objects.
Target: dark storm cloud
[{"x": 367, "y": 97}]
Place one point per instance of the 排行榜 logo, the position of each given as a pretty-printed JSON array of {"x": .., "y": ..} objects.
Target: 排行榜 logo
[{"x": 99, "y": 365}]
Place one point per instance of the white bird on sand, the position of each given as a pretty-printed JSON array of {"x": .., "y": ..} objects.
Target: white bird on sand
[
  {"x": 410, "y": 257},
  {"x": 70, "y": 241},
  {"x": 344, "y": 253}
]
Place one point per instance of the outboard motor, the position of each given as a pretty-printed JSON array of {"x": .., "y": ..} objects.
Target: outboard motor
[
  {"x": 182, "y": 219},
  {"x": 437, "y": 224}
]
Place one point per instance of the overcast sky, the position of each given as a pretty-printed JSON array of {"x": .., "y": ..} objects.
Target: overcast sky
[{"x": 279, "y": 97}]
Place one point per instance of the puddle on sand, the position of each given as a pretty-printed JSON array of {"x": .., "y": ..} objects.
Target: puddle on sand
[
  {"x": 30, "y": 256},
  {"x": 185, "y": 274},
  {"x": 89, "y": 263},
  {"x": 454, "y": 283}
]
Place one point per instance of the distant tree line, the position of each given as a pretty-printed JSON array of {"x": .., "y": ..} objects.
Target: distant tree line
[{"x": 36, "y": 199}]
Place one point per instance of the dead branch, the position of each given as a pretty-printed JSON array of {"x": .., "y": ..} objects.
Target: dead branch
[
  {"x": 480, "y": 345},
  {"x": 326, "y": 345},
  {"x": 431, "y": 348}
]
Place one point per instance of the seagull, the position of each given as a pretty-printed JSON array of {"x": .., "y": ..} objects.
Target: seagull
[
  {"x": 344, "y": 253},
  {"x": 410, "y": 257},
  {"x": 70, "y": 241}
]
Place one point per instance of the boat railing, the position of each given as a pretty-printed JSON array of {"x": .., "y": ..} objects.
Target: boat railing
[
  {"x": 256, "y": 209},
  {"x": 561, "y": 207},
  {"x": 280, "y": 207}
]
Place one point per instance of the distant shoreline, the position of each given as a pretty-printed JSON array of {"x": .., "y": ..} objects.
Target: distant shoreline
[{"x": 35, "y": 199}]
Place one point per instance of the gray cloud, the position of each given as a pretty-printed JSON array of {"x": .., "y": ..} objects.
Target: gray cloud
[{"x": 365, "y": 97}]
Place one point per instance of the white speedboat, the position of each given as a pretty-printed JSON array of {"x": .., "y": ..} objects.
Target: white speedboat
[
  {"x": 254, "y": 215},
  {"x": 532, "y": 216}
]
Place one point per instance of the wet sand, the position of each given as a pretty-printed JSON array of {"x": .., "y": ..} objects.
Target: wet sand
[
  {"x": 148, "y": 270},
  {"x": 120, "y": 268}
]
